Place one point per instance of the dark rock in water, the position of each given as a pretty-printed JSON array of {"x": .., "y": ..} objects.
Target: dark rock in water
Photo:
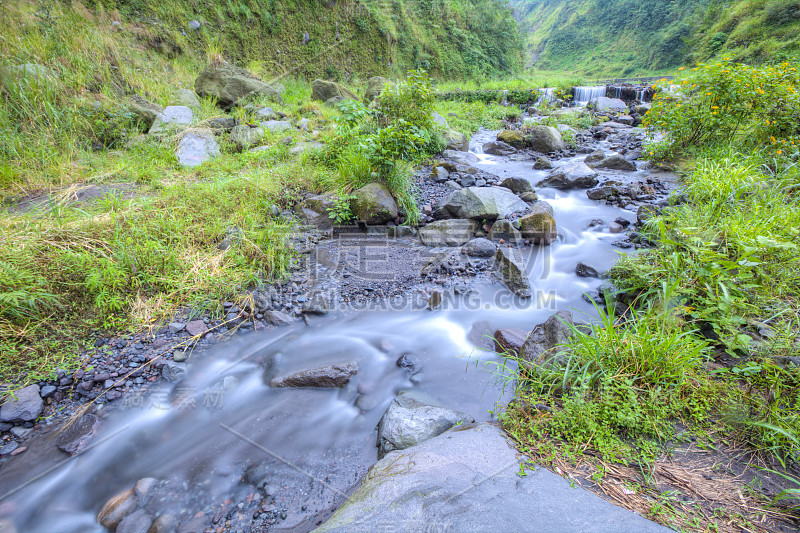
[
  {"x": 408, "y": 422},
  {"x": 529, "y": 197},
  {"x": 575, "y": 175},
  {"x": 26, "y": 405},
  {"x": 543, "y": 163},
  {"x": 542, "y": 344},
  {"x": 9, "y": 448},
  {"x": 479, "y": 248},
  {"x": 407, "y": 363},
  {"x": 615, "y": 227},
  {"x": 466, "y": 480},
  {"x": 517, "y": 185},
  {"x": 116, "y": 509},
  {"x": 539, "y": 226},
  {"x": 498, "y": 148},
  {"x": 509, "y": 340},
  {"x": 173, "y": 372},
  {"x": 330, "y": 376},
  {"x": 435, "y": 300},
  {"x": 136, "y": 522},
  {"x": 585, "y": 271},
  {"x": 77, "y": 436},
  {"x": 603, "y": 192},
  {"x": 511, "y": 269},
  {"x": 615, "y": 162},
  {"x": 512, "y": 138},
  {"x": 144, "y": 489},
  {"x": 594, "y": 157}
]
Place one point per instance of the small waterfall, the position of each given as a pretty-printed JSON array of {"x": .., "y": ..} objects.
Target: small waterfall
[
  {"x": 640, "y": 94},
  {"x": 584, "y": 95},
  {"x": 548, "y": 95},
  {"x": 505, "y": 96}
]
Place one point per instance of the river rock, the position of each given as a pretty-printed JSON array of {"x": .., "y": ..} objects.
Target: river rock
[
  {"x": 509, "y": 340},
  {"x": 614, "y": 162},
  {"x": 277, "y": 318},
  {"x": 329, "y": 376},
  {"x": 25, "y": 406},
  {"x": 542, "y": 344},
  {"x": 512, "y": 138},
  {"x": 602, "y": 192},
  {"x": 463, "y": 158},
  {"x": 373, "y": 204},
  {"x": 136, "y": 522},
  {"x": 583, "y": 270},
  {"x": 539, "y": 226},
  {"x": 196, "y": 147},
  {"x": 322, "y": 91},
  {"x": 184, "y": 97},
  {"x": 229, "y": 84},
  {"x": 481, "y": 203},
  {"x": 145, "y": 111},
  {"x": 456, "y": 140},
  {"x": 304, "y": 147},
  {"x": 408, "y": 422},
  {"x": 575, "y": 175},
  {"x": 75, "y": 437},
  {"x": 173, "y": 118},
  {"x": 627, "y": 120},
  {"x": 276, "y": 125},
  {"x": 646, "y": 212},
  {"x": 604, "y": 103},
  {"x": 245, "y": 137},
  {"x": 440, "y": 121},
  {"x": 451, "y": 232},
  {"x": 375, "y": 86},
  {"x": 173, "y": 372},
  {"x": 543, "y": 163},
  {"x": 479, "y": 248},
  {"x": 116, "y": 509},
  {"x": 511, "y": 269},
  {"x": 545, "y": 139},
  {"x": 517, "y": 185},
  {"x": 196, "y": 327},
  {"x": 504, "y": 230},
  {"x": 498, "y": 148},
  {"x": 594, "y": 157},
  {"x": 439, "y": 174},
  {"x": 467, "y": 480}
]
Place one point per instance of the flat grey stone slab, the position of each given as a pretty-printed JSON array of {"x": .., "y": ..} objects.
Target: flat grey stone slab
[{"x": 467, "y": 480}]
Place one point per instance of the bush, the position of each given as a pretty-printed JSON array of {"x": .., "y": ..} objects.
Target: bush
[
  {"x": 782, "y": 12},
  {"x": 726, "y": 103}
]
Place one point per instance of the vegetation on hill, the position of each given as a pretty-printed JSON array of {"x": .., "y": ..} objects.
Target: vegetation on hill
[{"x": 617, "y": 38}]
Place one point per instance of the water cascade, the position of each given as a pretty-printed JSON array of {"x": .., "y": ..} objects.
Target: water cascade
[
  {"x": 548, "y": 95},
  {"x": 584, "y": 95}
]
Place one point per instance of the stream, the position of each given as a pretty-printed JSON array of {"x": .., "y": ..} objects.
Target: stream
[{"x": 310, "y": 447}]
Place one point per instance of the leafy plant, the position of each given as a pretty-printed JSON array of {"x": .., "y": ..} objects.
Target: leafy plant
[{"x": 340, "y": 212}]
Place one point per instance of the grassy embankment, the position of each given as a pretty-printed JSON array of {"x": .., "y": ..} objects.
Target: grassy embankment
[
  {"x": 70, "y": 272},
  {"x": 706, "y": 357}
]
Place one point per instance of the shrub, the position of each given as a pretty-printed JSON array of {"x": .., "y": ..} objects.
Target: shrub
[{"x": 782, "y": 12}]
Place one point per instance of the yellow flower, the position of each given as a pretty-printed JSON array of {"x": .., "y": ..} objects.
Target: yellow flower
[
  {"x": 682, "y": 68},
  {"x": 779, "y": 152},
  {"x": 714, "y": 107}
]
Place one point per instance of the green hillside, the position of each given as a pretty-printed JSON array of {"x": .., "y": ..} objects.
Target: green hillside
[{"x": 632, "y": 37}]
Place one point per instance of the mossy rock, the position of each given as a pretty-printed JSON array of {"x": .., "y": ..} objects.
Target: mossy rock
[
  {"x": 375, "y": 86},
  {"x": 539, "y": 226},
  {"x": 373, "y": 204},
  {"x": 229, "y": 84},
  {"x": 322, "y": 91},
  {"x": 513, "y": 138},
  {"x": 456, "y": 140}
]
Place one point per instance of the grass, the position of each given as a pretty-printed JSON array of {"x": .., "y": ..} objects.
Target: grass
[{"x": 469, "y": 117}]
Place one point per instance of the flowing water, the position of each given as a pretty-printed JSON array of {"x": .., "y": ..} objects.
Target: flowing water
[
  {"x": 584, "y": 95},
  {"x": 313, "y": 444}
]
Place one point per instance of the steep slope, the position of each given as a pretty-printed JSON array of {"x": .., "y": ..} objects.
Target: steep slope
[{"x": 626, "y": 37}]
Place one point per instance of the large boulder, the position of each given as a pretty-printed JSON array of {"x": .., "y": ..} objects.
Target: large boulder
[
  {"x": 466, "y": 479},
  {"x": 453, "y": 232},
  {"x": 78, "y": 435},
  {"x": 229, "y": 84},
  {"x": 544, "y": 343},
  {"x": 336, "y": 375},
  {"x": 408, "y": 422},
  {"x": 481, "y": 203},
  {"x": 498, "y": 148},
  {"x": 173, "y": 118},
  {"x": 375, "y": 86},
  {"x": 322, "y": 91},
  {"x": 605, "y": 103},
  {"x": 575, "y": 175},
  {"x": 503, "y": 230},
  {"x": 512, "y": 138},
  {"x": 373, "y": 204},
  {"x": 614, "y": 162},
  {"x": 196, "y": 147},
  {"x": 24, "y": 406},
  {"x": 545, "y": 139},
  {"x": 539, "y": 226},
  {"x": 511, "y": 269},
  {"x": 456, "y": 140},
  {"x": 517, "y": 185}
]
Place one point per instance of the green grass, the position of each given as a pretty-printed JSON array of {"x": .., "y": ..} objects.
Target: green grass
[{"x": 469, "y": 117}]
